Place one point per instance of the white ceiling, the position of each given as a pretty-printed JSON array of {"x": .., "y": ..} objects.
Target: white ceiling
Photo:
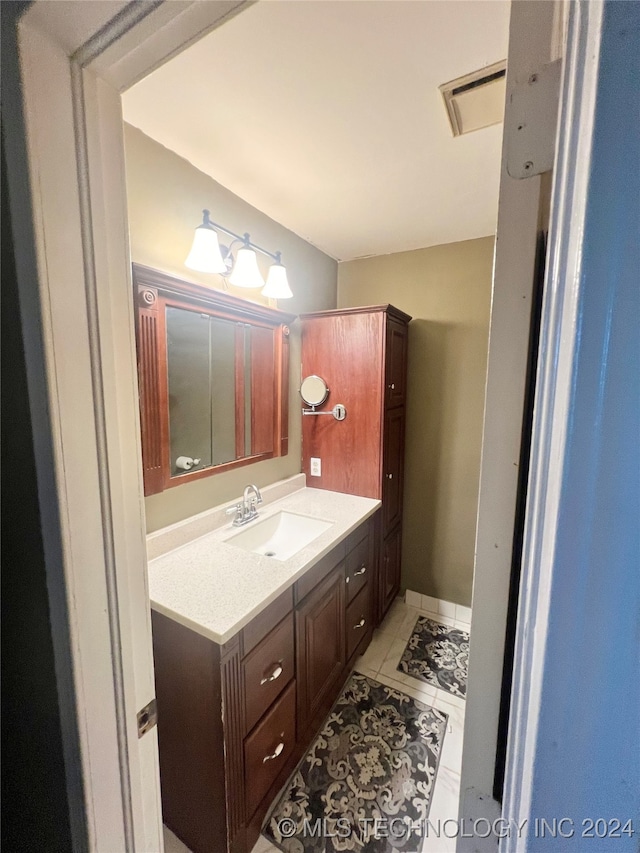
[{"x": 326, "y": 116}]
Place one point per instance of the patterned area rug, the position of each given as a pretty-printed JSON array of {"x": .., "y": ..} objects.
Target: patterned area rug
[
  {"x": 370, "y": 773},
  {"x": 439, "y": 655}
]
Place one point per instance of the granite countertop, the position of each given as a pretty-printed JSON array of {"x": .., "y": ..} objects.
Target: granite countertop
[{"x": 216, "y": 588}]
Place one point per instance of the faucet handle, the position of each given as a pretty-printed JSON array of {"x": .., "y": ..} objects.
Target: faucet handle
[{"x": 237, "y": 509}]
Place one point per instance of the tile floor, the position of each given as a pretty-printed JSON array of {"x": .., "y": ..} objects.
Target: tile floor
[{"x": 380, "y": 662}]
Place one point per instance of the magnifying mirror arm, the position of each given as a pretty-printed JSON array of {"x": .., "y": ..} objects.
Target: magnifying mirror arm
[{"x": 339, "y": 412}]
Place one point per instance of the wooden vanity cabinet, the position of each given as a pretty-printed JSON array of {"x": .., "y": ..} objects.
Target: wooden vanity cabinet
[
  {"x": 361, "y": 353},
  {"x": 226, "y": 725},
  {"x": 334, "y": 623},
  {"x": 234, "y": 719}
]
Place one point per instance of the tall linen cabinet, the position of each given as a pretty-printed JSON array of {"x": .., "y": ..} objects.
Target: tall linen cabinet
[{"x": 361, "y": 353}]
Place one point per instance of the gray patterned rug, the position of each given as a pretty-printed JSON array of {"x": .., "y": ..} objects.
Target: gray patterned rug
[
  {"x": 439, "y": 655},
  {"x": 370, "y": 772}
]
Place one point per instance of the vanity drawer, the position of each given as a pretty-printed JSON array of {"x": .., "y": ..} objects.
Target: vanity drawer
[
  {"x": 268, "y": 747},
  {"x": 315, "y": 575},
  {"x": 267, "y": 670},
  {"x": 358, "y": 620},
  {"x": 262, "y": 624},
  {"x": 358, "y": 568},
  {"x": 360, "y": 533}
]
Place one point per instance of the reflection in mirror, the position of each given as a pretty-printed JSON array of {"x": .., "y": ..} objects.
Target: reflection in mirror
[
  {"x": 201, "y": 369},
  {"x": 223, "y": 390},
  {"x": 313, "y": 390},
  {"x": 189, "y": 389}
]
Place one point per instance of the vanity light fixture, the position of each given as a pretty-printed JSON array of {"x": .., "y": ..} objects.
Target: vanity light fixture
[{"x": 207, "y": 255}]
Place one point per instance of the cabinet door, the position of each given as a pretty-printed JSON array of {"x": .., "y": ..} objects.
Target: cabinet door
[
  {"x": 392, "y": 474},
  {"x": 396, "y": 363},
  {"x": 346, "y": 350},
  {"x": 321, "y": 646},
  {"x": 390, "y": 568}
]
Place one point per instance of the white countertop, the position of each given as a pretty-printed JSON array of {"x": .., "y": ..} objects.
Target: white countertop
[{"x": 216, "y": 588}]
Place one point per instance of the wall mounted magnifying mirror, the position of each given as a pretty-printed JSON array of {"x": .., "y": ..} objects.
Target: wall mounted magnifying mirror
[
  {"x": 314, "y": 392},
  {"x": 213, "y": 372}
]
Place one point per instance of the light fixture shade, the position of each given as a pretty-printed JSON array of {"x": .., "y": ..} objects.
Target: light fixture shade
[
  {"x": 205, "y": 253},
  {"x": 277, "y": 286},
  {"x": 245, "y": 271}
]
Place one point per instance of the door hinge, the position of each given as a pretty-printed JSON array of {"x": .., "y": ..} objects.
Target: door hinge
[
  {"x": 532, "y": 119},
  {"x": 147, "y": 717}
]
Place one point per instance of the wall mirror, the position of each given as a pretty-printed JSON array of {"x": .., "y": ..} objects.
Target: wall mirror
[
  {"x": 213, "y": 374},
  {"x": 313, "y": 390}
]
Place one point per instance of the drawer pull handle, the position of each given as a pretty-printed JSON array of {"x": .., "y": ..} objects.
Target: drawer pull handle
[
  {"x": 276, "y": 752},
  {"x": 277, "y": 672},
  {"x": 361, "y": 571},
  {"x": 360, "y": 624}
]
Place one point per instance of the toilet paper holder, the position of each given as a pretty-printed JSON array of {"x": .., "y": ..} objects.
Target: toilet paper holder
[{"x": 186, "y": 463}]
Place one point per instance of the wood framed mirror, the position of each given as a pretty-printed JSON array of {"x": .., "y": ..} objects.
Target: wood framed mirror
[{"x": 213, "y": 374}]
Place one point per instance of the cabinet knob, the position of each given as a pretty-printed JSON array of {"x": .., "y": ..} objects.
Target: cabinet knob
[
  {"x": 276, "y": 752},
  {"x": 360, "y": 624},
  {"x": 392, "y": 387},
  {"x": 360, "y": 571},
  {"x": 389, "y": 476},
  {"x": 277, "y": 672}
]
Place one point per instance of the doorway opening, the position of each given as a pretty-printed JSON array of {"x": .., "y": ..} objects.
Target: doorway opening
[
  {"x": 83, "y": 293},
  {"x": 350, "y": 167}
]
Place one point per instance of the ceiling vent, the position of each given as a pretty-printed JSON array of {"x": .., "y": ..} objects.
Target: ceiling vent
[{"x": 477, "y": 99}]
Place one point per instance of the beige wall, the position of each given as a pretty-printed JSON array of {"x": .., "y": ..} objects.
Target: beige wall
[
  {"x": 166, "y": 195},
  {"x": 447, "y": 291}
]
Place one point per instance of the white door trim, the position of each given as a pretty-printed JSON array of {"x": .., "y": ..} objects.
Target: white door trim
[
  {"x": 559, "y": 330},
  {"x": 64, "y": 143},
  {"x": 533, "y": 42}
]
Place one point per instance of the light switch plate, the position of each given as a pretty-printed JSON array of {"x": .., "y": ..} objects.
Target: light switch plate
[{"x": 316, "y": 467}]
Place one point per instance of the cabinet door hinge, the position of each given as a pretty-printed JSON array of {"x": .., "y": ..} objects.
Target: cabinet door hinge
[{"x": 147, "y": 717}]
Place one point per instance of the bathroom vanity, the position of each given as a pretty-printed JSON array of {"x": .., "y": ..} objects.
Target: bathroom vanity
[
  {"x": 256, "y": 627},
  {"x": 250, "y": 654}
]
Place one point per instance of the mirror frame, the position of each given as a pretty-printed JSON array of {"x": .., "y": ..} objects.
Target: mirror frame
[{"x": 153, "y": 291}]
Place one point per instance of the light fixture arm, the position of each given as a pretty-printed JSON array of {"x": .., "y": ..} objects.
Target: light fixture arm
[
  {"x": 208, "y": 256},
  {"x": 242, "y": 238}
]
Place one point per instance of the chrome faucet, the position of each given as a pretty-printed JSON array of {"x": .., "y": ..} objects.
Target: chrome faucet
[{"x": 246, "y": 510}]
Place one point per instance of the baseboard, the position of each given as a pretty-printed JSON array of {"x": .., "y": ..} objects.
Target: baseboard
[{"x": 438, "y": 606}]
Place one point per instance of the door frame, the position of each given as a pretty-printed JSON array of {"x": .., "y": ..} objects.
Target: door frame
[
  {"x": 563, "y": 502},
  {"x": 65, "y": 65},
  {"x": 65, "y": 153},
  {"x": 536, "y": 33}
]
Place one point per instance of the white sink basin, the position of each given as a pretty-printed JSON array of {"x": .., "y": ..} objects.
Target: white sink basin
[{"x": 281, "y": 535}]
